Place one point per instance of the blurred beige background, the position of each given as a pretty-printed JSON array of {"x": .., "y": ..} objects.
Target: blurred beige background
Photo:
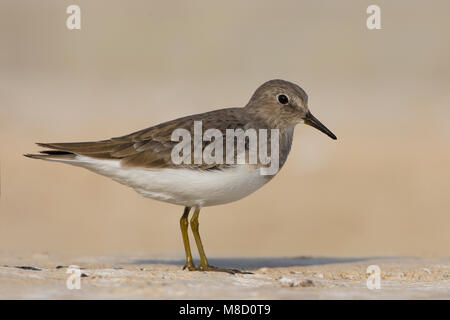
[{"x": 381, "y": 189}]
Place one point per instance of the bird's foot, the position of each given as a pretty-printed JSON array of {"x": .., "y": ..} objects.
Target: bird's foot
[
  {"x": 215, "y": 269},
  {"x": 190, "y": 266}
]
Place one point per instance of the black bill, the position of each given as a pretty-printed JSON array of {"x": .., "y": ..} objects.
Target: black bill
[{"x": 313, "y": 122}]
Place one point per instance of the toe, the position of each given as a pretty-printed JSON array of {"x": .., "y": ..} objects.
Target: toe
[{"x": 215, "y": 269}]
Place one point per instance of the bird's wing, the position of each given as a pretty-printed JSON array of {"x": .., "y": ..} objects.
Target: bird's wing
[{"x": 152, "y": 147}]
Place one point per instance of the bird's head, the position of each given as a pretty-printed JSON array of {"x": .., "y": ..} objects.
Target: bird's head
[{"x": 284, "y": 104}]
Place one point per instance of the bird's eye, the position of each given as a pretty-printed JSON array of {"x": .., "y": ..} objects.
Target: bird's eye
[{"x": 283, "y": 99}]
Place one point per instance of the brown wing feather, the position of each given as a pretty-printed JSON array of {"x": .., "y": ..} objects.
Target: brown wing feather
[{"x": 152, "y": 147}]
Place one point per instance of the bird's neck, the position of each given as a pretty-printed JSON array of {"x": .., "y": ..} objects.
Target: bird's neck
[{"x": 286, "y": 138}]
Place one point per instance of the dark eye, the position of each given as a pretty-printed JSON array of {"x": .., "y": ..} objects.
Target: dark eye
[{"x": 283, "y": 99}]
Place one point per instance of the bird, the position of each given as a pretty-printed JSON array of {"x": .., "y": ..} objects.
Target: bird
[{"x": 144, "y": 160}]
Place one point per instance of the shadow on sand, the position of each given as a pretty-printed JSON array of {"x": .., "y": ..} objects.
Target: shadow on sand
[{"x": 256, "y": 263}]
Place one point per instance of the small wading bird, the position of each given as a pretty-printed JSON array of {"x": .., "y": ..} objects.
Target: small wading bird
[{"x": 142, "y": 160}]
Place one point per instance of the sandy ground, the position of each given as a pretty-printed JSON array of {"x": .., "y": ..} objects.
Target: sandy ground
[
  {"x": 381, "y": 189},
  {"x": 43, "y": 276}
]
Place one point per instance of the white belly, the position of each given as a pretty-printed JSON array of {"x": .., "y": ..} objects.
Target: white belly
[{"x": 187, "y": 187}]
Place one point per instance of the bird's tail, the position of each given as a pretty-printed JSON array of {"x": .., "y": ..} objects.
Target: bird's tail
[{"x": 52, "y": 155}]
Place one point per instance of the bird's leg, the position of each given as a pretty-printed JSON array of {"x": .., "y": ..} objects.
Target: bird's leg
[
  {"x": 204, "y": 265},
  {"x": 184, "y": 223},
  {"x": 195, "y": 230}
]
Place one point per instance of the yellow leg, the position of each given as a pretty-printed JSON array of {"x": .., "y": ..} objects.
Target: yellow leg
[
  {"x": 204, "y": 265},
  {"x": 184, "y": 223},
  {"x": 195, "y": 230}
]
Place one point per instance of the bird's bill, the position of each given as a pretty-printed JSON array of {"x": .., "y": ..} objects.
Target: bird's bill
[{"x": 313, "y": 122}]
